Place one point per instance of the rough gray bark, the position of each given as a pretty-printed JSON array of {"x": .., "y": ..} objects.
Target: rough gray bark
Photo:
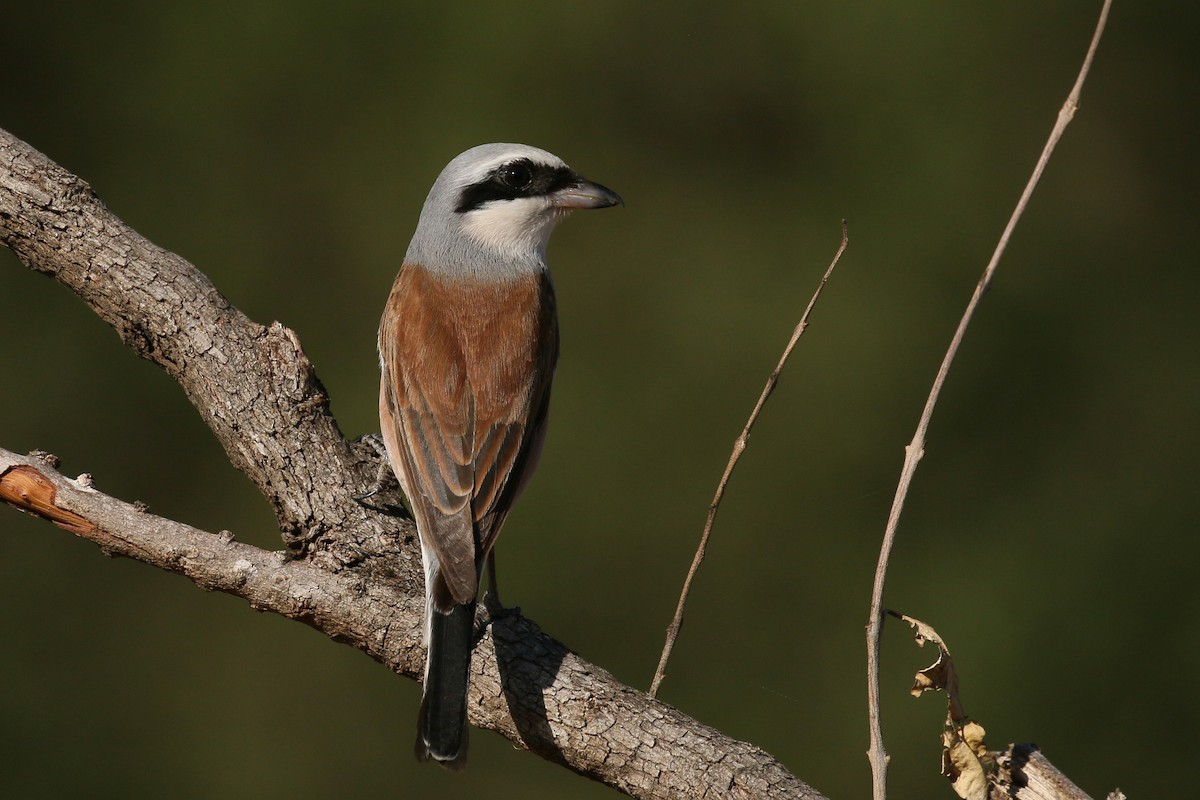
[{"x": 351, "y": 572}]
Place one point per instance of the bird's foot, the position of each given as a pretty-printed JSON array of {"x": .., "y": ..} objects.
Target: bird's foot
[
  {"x": 496, "y": 609},
  {"x": 385, "y": 480}
]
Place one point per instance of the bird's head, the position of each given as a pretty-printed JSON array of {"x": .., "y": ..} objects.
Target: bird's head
[{"x": 493, "y": 208}]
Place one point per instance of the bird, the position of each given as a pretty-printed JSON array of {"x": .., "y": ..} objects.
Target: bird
[{"x": 468, "y": 344}]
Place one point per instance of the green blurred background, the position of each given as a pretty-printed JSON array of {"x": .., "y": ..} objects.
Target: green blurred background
[{"x": 285, "y": 149}]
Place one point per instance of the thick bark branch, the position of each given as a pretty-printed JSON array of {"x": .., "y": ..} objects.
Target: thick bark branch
[{"x": 352, "y": 573}]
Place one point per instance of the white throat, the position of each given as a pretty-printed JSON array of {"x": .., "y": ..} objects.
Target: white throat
[{"x": 518, "y": 228}]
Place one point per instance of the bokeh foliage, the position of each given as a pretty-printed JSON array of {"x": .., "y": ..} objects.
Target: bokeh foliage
[{"x": 285, "y": 149}]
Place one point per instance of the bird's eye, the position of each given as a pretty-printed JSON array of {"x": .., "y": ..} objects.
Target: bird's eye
[{"x": 516, "y": 175}]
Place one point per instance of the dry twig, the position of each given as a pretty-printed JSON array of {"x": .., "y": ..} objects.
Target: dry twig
[
  {"x": 739, "y": 447},
  {"x": 916, "y": 448}
]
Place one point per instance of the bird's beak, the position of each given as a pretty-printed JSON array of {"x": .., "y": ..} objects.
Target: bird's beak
[{"x": 585, "y": 194}]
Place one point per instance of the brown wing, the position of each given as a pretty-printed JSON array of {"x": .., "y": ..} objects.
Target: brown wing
[
  {"x": 424, "y": 414},
  {"x": 465, "y": 387},
  {"x": 511, "y": 401}
]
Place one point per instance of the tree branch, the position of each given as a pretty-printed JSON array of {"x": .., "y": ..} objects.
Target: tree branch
[
  {"x": 352, "y": 573},
  {"x": 1026, "y": 774}
]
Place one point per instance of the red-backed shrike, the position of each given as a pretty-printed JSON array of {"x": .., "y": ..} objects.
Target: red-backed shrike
[{"x": 467, "y": 347}]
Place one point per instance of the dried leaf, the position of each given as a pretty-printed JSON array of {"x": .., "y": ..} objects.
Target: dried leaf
[
  {"x": 965, "y": 759},
  {"x": 961, "y": 762}
]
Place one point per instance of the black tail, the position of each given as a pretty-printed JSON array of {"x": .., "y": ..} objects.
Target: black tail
[{"x": 442, "y": 724}]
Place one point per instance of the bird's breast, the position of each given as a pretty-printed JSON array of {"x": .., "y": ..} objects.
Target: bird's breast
[{"x": 469, "y": 342}]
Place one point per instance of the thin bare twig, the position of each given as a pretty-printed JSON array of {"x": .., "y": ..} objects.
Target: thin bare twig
[
  {"x": 916, "y": 449},
  {"x": 739, "y": 447}
]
